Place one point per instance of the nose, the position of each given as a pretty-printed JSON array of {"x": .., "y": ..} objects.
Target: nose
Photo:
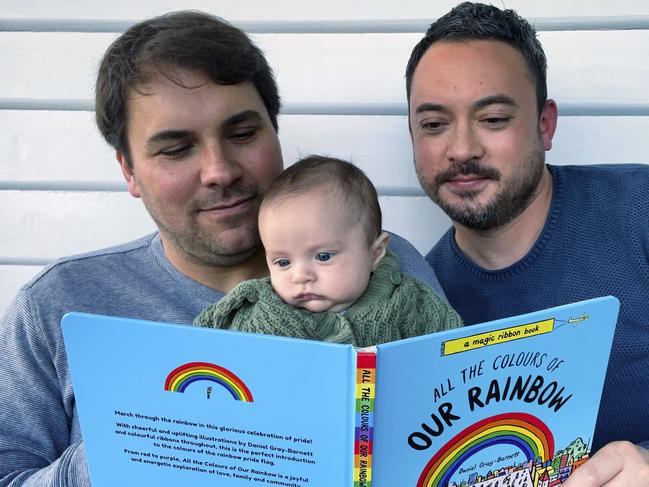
[
  {"x": 218, "y": 168},
  {"x": 302, "y": 273},
  {"x": 464, "y": 143}
]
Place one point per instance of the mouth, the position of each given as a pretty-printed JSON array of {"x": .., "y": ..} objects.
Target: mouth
[
  {"x": 468, "y": 177},
  {"x": 302, "y": 297},
  {"x": 230, "y": 208},
  {"x": 467, "y": 182}
]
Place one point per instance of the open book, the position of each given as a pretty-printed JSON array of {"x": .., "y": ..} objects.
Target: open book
[{"x": 511, "y": 402}]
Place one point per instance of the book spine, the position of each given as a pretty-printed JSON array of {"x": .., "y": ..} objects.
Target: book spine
[{"x": 364, "y": 429}]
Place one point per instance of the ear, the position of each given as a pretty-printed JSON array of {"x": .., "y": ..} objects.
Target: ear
[
  {"x": 548, "y": 123},
  {"x": 129, "y": 174},
  {"x": 378, "y": 249}
]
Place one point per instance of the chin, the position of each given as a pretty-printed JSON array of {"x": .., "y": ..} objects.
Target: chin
[{"x": 316, "y": 307}]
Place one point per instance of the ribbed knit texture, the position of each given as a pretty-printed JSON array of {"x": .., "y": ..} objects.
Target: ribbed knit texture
[
  {"x": 595, "y": 242},
  {"x": 40, "y": 438},
  {"x": 394, "y": 306}
]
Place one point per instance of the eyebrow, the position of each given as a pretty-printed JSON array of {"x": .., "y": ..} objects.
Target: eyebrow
[
  {"x": 166, "y": 136},
  {"x": 431, "y": 107},
  {"x": 494, "y": 100},
  {"x": 244, "y": 116},
  {"x": 477, "y": 105}
]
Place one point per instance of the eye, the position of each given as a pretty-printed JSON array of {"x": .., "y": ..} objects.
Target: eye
[
  {"x": 282, "y": 262},
  {"x": 176, "y": 151},
  {"x": 324, "y": 256},
  {"x": 496, "y": 122},
  {"x": 243, "y": 135},
  {"x": 433, "y": 126}
]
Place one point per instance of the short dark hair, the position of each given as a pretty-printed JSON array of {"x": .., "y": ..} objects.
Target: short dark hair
[
  {"x": 185, "y": 39},
  {"x": 477, "y": 21},
  {"x": 317, "y": 172}
]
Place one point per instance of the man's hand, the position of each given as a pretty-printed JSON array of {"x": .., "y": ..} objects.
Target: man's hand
[{"x": 618, "y": 464}]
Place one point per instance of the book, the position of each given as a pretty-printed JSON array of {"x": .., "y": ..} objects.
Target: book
[{"x": 512, "y": 402}]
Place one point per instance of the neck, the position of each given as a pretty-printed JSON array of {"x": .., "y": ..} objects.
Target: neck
[
  {"x": 219, "y": 278},
  {"x": 503, "y": 246}
]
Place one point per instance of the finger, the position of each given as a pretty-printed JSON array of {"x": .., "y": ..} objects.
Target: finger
[{"x": 617, "y": 464}]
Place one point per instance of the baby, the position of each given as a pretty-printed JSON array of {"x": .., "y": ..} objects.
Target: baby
[{"x": 331, "y": 276}]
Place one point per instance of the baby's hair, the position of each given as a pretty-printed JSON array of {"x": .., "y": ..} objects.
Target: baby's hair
[{"x": 319, "y": 173}]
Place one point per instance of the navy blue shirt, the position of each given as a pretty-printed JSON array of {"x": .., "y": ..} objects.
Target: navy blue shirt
[{"x": 595, "y": 243}]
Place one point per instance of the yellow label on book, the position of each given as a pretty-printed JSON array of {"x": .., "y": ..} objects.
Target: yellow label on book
[
  {"x": 497, "y": 336},
  {"x": 364, "y": 476},
  {"x": 365, "y": 391}
]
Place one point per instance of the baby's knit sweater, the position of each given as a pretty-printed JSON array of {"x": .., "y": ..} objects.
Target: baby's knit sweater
[{"x": 394, "y": 306}]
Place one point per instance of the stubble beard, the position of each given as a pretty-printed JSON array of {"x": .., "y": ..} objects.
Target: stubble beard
[
  {"x": 505, "y": 206},
  {"x": 199, "y": 246}
]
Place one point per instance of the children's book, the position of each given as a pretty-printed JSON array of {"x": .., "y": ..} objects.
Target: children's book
[{"x": 512, "y": 402}]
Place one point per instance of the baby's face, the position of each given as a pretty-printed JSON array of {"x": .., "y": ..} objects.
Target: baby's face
[{"x": 318, "y": 255}]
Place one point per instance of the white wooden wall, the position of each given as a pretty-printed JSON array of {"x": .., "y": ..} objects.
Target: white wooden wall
[{"x": 340, "y": 68}]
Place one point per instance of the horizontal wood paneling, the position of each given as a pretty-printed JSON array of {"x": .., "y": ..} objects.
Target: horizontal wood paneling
[
  {"x": 48, "y": 224},
  {"x": 337, "y": 69},
  {"x": 296, "y": 10},
  {"x": 53, "y": 147}
]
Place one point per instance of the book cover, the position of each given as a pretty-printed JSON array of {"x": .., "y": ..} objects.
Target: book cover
[
  {"x": 508, "y": 403},
  {"x": 511, "y": 402}
]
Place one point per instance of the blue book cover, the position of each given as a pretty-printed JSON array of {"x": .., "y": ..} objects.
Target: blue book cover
[
  {"x": 509, "y": 403},
  {"x": 513, "y": 401}
]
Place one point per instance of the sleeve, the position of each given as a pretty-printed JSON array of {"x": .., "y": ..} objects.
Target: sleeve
[
  {"x": 440, "y": 315},
  {"x": 40, "y": 441},
  {"x": 412, "y": 262},
  {"x": 233, "y": 308}
]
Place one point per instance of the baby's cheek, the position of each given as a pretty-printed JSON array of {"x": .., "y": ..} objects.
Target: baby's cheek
[{"x": 278, "y": 284}]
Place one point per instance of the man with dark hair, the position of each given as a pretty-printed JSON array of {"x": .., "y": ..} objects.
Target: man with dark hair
[
  {"x": 190, "y": 106},
  {"x": 526, "y": 235}
]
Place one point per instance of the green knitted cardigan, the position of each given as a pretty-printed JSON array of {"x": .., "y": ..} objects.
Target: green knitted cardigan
[{"x": 394, "y": 306}]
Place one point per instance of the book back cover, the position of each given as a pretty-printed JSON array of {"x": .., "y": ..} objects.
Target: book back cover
[{"x": 172, "y": 405}]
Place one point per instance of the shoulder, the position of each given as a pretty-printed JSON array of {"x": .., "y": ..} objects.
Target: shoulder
[
  {"x": 411, "y": 262},
  {"x": 107, "y": 281},
  {"x": 90, "y": 263},
  {"x": 53, "y": 278},
  {"x": 603, "y": 194},
  {"x": 600, "y": 175},
  {"x": 620, "y": 170}
]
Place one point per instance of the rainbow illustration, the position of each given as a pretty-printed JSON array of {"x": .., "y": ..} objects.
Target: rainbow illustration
[
  {"x": 181, "y": 377},
  {"x": 364, "y": 413},
  {"x": 521, "y": 430}
]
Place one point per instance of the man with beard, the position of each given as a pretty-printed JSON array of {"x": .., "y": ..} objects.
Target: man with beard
[
  {"x": 526, "y": 235},
  {"x": 190, "y": 106}
]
